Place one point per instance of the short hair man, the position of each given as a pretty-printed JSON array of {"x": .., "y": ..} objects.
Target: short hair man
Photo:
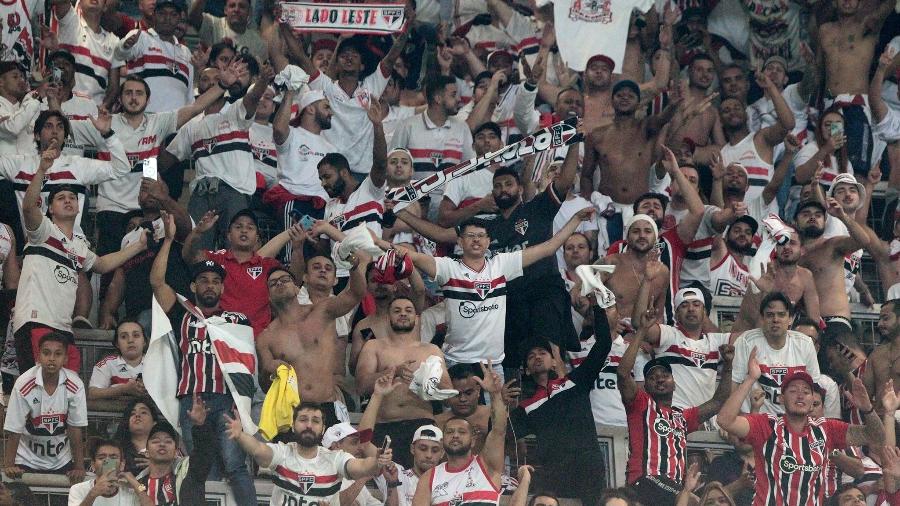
[{"x": 107, "y": 487}]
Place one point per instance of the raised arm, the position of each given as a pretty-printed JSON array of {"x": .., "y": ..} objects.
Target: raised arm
[
  {"x": 791, "y": 146},
  {"x": 111, "y": 261},
  {"x": 434, "y": 232},
  {"x": 31, "y": 202},
  {"x": 226, "y": 79},
  {"x": 493, "y": 451},
  {"x": 859, "y": 237},
  {"x": 295, "y": 50},
  {"x": 164, "y": 293},
  {"x": 689, "y": 225},
  {"x": 628, "y": 388},
  {"x": 190, "y": 250},
  {"x": 723, "y": 391},
  {"x": 483, "y": 110},
  {"x": 642, "y": 303},
  {"x": 729, "y": 415},
  {"x": 567, "y": 174},
  {"x": 281, "y": 127},
  {"x": 871, "y": 433},
  {"x": 547, "y": 248},
  {"x": 774, "y": 135},
  {"x": 195, "y": 14},
  {"x": 378, "y": 174},
  {"x": 251, "y": 99},
  {"x": 353, "y": 293},
  {"x": 876, "y": 103},
  {"x": 259, "y": 451}
]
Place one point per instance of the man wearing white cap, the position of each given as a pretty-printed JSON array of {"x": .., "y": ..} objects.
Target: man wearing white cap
[
  {"x": 299, "y": 195},
  {"x": 692, "y": 354},
  {"x": 427, "y": 451},
  {"x": 345, "y": 437},
  {"x": 854, "y": 198}
]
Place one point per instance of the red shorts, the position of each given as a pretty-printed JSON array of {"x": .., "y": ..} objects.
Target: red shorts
[{"x": 28, "y": 338}]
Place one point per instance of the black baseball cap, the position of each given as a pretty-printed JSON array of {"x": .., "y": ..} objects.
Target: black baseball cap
[
  {"x": 656, "y": 362},
  {"x": 244, "y": 212},
  {"x": 65, "y": 55},
  {"x": 748, "y": 220},
  {"x": 178, "y": 4},
  {"x": 627, "y": 83},
  {"x": 166, "y": 427},
  {"x": 809, "y": 203},
  {"x": 535, "y": 342},
  {"x": 206, "y": 266},
  {"x": 61, "y": 188}
]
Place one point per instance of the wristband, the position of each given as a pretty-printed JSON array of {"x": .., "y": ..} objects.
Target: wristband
[
  {"x": 222, "y": 85},
  {"x": 109, "y": 134},
  {"x": 869, "y": 412},
  {"x": 393, "y": 484}
]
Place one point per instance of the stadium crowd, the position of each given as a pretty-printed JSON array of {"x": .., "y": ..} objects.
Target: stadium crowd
[{"x": 304, "y": 281}]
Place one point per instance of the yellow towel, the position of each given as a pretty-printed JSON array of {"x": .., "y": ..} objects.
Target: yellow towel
[{"x": 281, "y": 399}]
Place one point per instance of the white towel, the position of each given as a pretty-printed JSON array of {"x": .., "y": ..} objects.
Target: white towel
[
  {"x": 357, "y": 238},
  {"x": 591, "y": 282},
  {"x": 291, "y": 77},
  {"x": 426, "y": 380}
]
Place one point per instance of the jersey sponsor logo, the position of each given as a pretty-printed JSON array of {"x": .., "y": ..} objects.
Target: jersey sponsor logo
[
  {"x": 47, "y": 448},
  {"x": 788, "y": 464},
  {"x": 287, "y": 500},
  {"x": 468, "y": 309},
  {"x": 254, "y": 271},
  {"x": 63, "y": 275},
  {"x": 456, "y": 500},
  {"x": 521, "y": 226},
  {"x": 662, "y": 427},
  {"x": 150, "y": 140},
  {"x": 592, "y": 11}
]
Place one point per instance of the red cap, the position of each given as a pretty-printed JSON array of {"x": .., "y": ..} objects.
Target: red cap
[
  {"x": 797, "y": 375},
  {"x": 602, "y": 58},
  {"x": 330, "y": 44}
]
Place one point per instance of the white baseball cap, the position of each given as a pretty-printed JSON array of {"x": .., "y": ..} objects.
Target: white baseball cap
[
  {"x": 311, "y": 97},
  {"x": 687, "y": 294},
  {"x": 428, "y": 433},
  {"x": 339, "y": 431}
]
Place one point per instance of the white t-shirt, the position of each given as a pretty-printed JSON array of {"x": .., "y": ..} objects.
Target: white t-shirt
[
  {"x": 114, "y": 370},
  {"x": 351, "y": 131},
  {"x": 298, "y": 159},
  {"x": 694, "y": 362},
  {"x": 476, "y": 306},
  {"x": 16, "y": 38},
  {"x": 80, "y": 491},
  {"x": 395, "y": 116},
  {"x": 889, "y": 127},
  {"x": 214, "y": 29},
  {"x": 759, "y": 171},
  {"x": 93, "y": 54},
  {"x": 696, "y": 262},
  {"x": 298, "y": 480},
  {"x": 363, "y": 498},
  {"x": 593, "y": 28},
  {"x": 41, "y": 419},
  {"x": 49, "y": 277},
  {"x": 761, "y": 114},
  {"x": 567, "y": 209},
  {"x": 17, "y": 124},
  {"x": 606, "y": 402},
  {"x": 798, "y": 354},
  {"x": 78, "y": 110},
  {"x": 469, "y": 188},
  {"x": 364, "y": 205},
  {"x": 265, "y": 157},
  {"x": 829, "y": 172},
  {"x": 166, "y": 66},
  {"x": 407, "y": 489}
]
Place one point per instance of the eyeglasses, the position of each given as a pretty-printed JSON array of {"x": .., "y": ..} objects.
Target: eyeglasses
[
  {"x": 283, "y": 280},
  {"x": 472, "y": 235}
]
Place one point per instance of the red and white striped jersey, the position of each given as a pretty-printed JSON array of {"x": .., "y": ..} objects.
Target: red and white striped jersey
[
  {"x": 161, "y": 490},
  {"x": 301, "y": 481},
  {"x": 166, "y": 66},
  {"x": 696, "y": 256},
  {"x": 831, "y": 168},
  {"x": 121, "y": 195},
  {"x": 41, "y": 419},
  {"x": 199, "y": 371},
  {"x": 297, "y": 162},
  {"x": 93, "y": 54},
  {"x": 434, "y": 147},
  {"x": 504, "y": 114},
  {"x": 79, "y": 109},
  {"x": 694, "y": 363},
  {"x": 114, "y": 370},
  {"x": 219, "y": 146},
  {"x": 729, "y": 277},
  {"x": 265, "y": 158},
  {"x": 520, "y": 36},
  {"x": 657, "y": 438},
  {"x": 49, "y": 277},
  {"x": 475, "y": 305},
  {"x": 364, "y": 205},
  {"x": 606, "y": 403},
  {"x": 468, "y": 486},
  {"x": 16, "y": 37},
  {"x": 759, "y": 171},
  {"x": 790, "y": 466}
]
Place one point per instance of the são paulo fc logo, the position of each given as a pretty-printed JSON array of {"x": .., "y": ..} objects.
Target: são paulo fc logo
[
  {"x": 482, "y": 288},
  {"x": 521, "y": 226},
  {"x": 788, "y": 464},
  {"x": 254, "y": 271},
  {"x": 306, "y": 481}
]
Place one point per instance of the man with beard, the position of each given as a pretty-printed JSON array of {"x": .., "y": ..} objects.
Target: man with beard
[
  {"x": 199, "y": 372},
  {"x": 298, "y": 192},
  {"x": 400, "y": 351},
  {"x": 156, "y": 55},
  {"x": 303, "y": 336},
  {"x": 700, "y": 129},
  {"x": 143, "y": 135},
  {"x": 236, "y": 26},
  {"x": 293, "y": 462},
  {"x": 465, "y": 474},
  {"x": 466, "y": 404},
  {"x": 728, "y": 271},
  {"x": 824, "y": 257},
  {"x": 598, "y": 106},
  {"x": 755, "y": 151},
  {"x": 691, "y": 353},
  {"x": 427, "y": 451},
  {"x": 376, "y": 323},
  {"x": 792, "y": 449},
  {"x": 880, "y": 366},
  {"x": 657, "y": 428},
  {"x": 538, "y": 304},
  {"x": 618, "y": 157},
  {"x": 219, "y": 144},
  {"x": 733, "y": 83}
]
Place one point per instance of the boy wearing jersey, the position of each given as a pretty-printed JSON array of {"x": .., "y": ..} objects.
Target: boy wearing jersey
[
  {"x": 55, "y": 255},
  {"x": 46, "y": 413},
  {"x": 658, "y": 430},
  {"x": 108, "y": 488},
  {"x": 792, "y": 449},
  {"x": 466, "y": 479},
  {"x": 303, "y": 470}
]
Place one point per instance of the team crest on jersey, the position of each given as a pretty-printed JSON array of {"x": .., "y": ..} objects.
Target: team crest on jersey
[
  {"x": 209, "y": 144},
  {"x": 51, "y": 422},
  {"x": 482, "y": 288},
  {"x": 306, "y": 482},
  {"x": 456, "y": 500},
  {"x": 521, "y": 226},
  {"x": 778, "y": 374},
  {"x": 254, "y": 271},
  {"x": 592, "y": 11},
  {"x": 173, "y": 67}
]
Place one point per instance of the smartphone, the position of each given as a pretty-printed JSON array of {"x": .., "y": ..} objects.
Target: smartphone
[
  {"x": 149, "y": 168},
  {"x": 159, "y": 229},
  {"x": 109, "y": 465},
  {"x": 307, "y": 221},
  {"x": 386, "y": 444},
  {"x": 836, "y": 128}
]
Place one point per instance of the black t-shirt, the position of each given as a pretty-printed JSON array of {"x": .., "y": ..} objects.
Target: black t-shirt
[
  {"x": 138, "y": 293},
  {"x": 531, "y": 223}
]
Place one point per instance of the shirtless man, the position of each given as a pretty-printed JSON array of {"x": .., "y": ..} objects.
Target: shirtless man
[
  {"x": 700, "y": 129},
  {"x": 846, "y": 50},
  {"x": 375, "y": 324},
  {"x": 465, "y": 404},
  {"x": 825, "y": 257},
  {"x": 304, "y": 336},
  {"x": 781, "y": 275},
  {"x": 733, "y": 83},
  {"x": 400, "y": 350},
  {"x": 597, "y": 76},
  {"x": 880, "y": 365}
]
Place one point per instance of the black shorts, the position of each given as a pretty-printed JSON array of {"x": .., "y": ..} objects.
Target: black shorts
[
  {"x": 401, "y": 432},
  {"x": 546, "y": 314},
  {"x": 655, "y": 490}
]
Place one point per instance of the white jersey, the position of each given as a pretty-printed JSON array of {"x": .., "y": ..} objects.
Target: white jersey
[
  {"x": 694, "y": 363},
  {"x": 476, "y": 306},
  {"x": 519, "y": 34},
  {"x": 830, "y": 169},
  {"x": 16, "y": 37},
  {"x": 408, "y": 481},
  {"x": 301, "y": 481},
  {"x": 569, "y": 208},
  {"x": 298, "y": 159},
  {"x": 728, "y": 278},
  {"x": 121, "y": 195},
  {"x": 798, "y": 354},
  {"x": 570, "y": 280},
  {"x": 759, "y": 171},
  {"x": 396, "y": 114},
  {"x": 888, "y": 129},
  {"x": 351, "y": 131},
  {"x": 265, "y": 157},
  {"x": 606, "y": 402},
  {"x": 364, "y": 205},
  {"x": 165, "y": 66},
  {"x": 467, "y": 486},
  {"x": 79, "y": 109},
  {"x": 93, "y": 54},
  {"x": 219, "y": 146},
  {"x": 71, "y": 170},
  {"x": 504, "y": 113},
  {"x": 363, "y": 498},
  {"x": 114, "y": 370},
  {"x": 80, "y": 491},
  {"x": 696, "y": 256},
  {"x": 41, "y": 419},
  {"x": 464, "y": 191},
  {"x": 17, "y": 124},
  {"x": 761, "y": 114},
  {"x": 49, "y": 277},
  {"x": 6, "y": 250}
]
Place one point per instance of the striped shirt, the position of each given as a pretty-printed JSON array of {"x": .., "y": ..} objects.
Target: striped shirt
[
  {"x": 694, "y": 363},
  {"x": 470, "y": 485},
  {"x": 93, "y": 54},
  {"x": 657, "y": 438},
  {"x": 697, "y": 254},
  {"x": 160, "y": 490},
  {"x": 114, "y": 370},
  {"x": 434, "y": 147},
  {"x": 759, "y": 171},
  {"x": 790, "y": 466},
  {"x": 300, "y": 481},
  {"x": 166, "y": 66},
  {"x": 16, "y": 37}
]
